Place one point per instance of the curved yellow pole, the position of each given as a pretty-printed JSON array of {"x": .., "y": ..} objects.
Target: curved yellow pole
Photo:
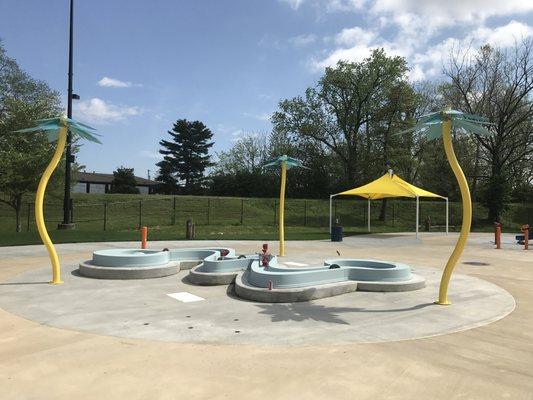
[
  {"x": 282, "y": 209},
  {"x": 467, "y": 212},
  {"x": 39, "y": 200}
]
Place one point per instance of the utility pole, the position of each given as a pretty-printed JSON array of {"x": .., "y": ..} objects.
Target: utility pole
[{"x": 69, "y": 158}]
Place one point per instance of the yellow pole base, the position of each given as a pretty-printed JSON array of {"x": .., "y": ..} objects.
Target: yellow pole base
[
  {"x": 444, "y": 303},
  {"x": 56, "y": 283}
]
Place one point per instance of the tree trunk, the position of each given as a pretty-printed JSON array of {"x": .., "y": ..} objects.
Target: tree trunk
[
  {"x": 475, "y": 178},
  {"x": 497, "y": 192}
]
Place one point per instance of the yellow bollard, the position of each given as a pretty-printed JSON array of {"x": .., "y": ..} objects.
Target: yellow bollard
[
  {"x": 39, "y": 202},
  {"x": 467, "y": 212},
  {"x": 282, "y": 209}
]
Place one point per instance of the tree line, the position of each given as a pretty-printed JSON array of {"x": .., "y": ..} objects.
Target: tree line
[{"x": 347, "y": 130}]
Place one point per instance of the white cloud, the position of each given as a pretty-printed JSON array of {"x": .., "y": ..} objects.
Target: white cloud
[
  {"x": 302, "y": 40},
  {"x": 437, "y": 13},
  {"x": 354, "y": 36},
  {"x": 261, "y": 117},
  {"x": 294, "y": 4},
  {"x": 115, "y": 83},
  {"x": 356, "y": 44},
  {"x": 344, "y": 5},
  {"x": 431, "y": 58},
  {"x": 98, "y": 111},
  {"x": 237, "y": 135},
  {"x": 424, "y": 54},
  {"x": 504, "y": 36}
]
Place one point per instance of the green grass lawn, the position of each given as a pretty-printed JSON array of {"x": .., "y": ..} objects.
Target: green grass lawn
[
  {"x": 211, "y": 232},
  {"x": 230, "y": 218}
]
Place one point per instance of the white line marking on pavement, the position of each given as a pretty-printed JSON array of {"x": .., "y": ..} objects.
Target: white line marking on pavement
[{"x": 185, "y": 297}]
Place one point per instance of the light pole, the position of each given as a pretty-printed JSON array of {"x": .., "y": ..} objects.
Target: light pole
[{"x": 69, "y": 158}]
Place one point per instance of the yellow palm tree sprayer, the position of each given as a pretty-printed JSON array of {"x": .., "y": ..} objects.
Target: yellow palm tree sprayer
[
  {"x": 56, "y": 129},
  {"x": 285, "y": 162},
  {"x": 434, "y": 126}
]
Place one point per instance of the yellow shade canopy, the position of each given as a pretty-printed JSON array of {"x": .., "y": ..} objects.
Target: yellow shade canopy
[{"x": 389, "y": 185}]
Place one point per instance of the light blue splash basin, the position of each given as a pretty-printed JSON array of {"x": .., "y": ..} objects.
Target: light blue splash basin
[
  {"x": 130, "y": 258},
  {"x": 335, "y": 270},
  {"x": 127, "y": 258}
]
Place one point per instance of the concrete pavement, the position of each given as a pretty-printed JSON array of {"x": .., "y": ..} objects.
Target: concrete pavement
[{"x": 491, "y": 362}]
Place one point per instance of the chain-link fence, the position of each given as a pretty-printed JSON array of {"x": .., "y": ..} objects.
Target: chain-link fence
[{"x": 167, "y": 211}]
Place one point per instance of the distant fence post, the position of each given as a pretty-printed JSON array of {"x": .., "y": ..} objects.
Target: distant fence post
[
  {"x": 71, "y": 207},
  {"x": 140, "y": 213},
  {"x": 28, "y": 218},
  {"x": 173, "y": 220},
  {"x": 335, "y": 209},
  {"x": 275, "y": 212},
  {"x": 392, "y": 213},
  {"x": 105, "y": 216},
  {"x": 242, "y": 211},
  {"x": 208, "y": 207},
  {"x": 305, "y": 212}
]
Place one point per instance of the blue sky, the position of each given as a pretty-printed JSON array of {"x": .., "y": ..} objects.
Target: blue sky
[{"x": 140, "y": 65}]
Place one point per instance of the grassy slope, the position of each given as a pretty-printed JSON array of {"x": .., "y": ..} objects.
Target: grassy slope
[{"x": 220, "y": 218}]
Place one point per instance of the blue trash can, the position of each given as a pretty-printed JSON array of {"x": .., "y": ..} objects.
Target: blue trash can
[{"x": 336, "y": 234}]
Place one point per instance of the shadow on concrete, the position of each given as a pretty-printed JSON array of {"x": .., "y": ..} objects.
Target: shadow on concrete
[
  {"x": 185, "y": 280},
  {"x": 315, "y": 312},
  {"x": 23, "y": 283},
  {"x": 76, "y": 272},
  {"x": 305, "y": 312}
]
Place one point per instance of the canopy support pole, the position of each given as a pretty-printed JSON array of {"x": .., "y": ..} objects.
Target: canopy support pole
[
  {"x": 417, "y": 215},
  {"x": 368, "y": 212},
  {"x": 330, "y": 212},
  {"x": 447, "y": 215}
]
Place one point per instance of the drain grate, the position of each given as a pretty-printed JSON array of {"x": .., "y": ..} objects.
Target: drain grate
[{"x": 476, "y": 263}]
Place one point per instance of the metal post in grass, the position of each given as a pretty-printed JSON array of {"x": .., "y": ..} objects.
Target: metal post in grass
[
  {"x": 140, "y": 214},
  {"x": 174, "y": 211},
  {"x": 305, "y": 213},
  {"x": 105, "y": 216},
  {"x": 275, "y": 213},
  {"x": 242, "y": 211},
  {"x": 71, "y": 211}
]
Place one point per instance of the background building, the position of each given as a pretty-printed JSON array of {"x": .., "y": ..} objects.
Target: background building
[{"x": 91, "y": 182}]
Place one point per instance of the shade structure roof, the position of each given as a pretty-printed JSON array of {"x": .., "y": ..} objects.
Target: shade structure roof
[{"x": 389, "y": 185}]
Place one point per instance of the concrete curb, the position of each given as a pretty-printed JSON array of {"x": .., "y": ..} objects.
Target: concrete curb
[
  {"x": 244, "y": 290},
  {"x": 89, "y": 270},
  {"x": 188, "y": 264},
  {"x": 210, "y": 278},
  {"x": 415, "y": 283}
]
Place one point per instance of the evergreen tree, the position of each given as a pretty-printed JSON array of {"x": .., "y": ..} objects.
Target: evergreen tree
[
  {"x": 186, "y": 157},
  {"x": 124, "y": 181}
]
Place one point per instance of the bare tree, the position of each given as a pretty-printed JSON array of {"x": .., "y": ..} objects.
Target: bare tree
[{"x": 498, "y": 85}]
